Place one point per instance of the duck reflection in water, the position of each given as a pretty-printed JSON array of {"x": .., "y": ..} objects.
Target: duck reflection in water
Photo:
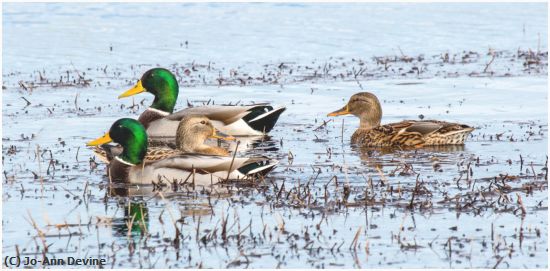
[
  {"x": 135, "y": 221},
  {"x": 380, "y": 157}
]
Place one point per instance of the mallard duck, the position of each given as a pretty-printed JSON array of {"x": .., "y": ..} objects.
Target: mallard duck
[
  {"x": 158, "y": 119},
  {"x": 408, "y": 133},
  {"x": 131, "y": 167},
  {"x": 192, "y": 132}
]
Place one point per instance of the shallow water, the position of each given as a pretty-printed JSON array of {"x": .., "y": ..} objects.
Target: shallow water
[
  {"x": 327, "y": 204},
  {"x": 233, "y": 35}
]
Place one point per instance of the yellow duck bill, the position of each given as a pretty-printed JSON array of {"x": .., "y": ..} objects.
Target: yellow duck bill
[
  {"x": 218, "y": 135},
  {"x": 342, "y": 111},
  {"x": 106, "y": 138},
  {"x": 138, "y": 88}
]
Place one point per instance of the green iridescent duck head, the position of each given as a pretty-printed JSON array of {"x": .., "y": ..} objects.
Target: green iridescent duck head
[
  {"x": 131, "y": 135},
  {"x": 161, "y": 83}
]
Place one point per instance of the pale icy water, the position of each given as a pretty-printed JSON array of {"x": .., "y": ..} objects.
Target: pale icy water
[
  {"x": 238, "y": 34},
  {"x": 328, "y": 205}
]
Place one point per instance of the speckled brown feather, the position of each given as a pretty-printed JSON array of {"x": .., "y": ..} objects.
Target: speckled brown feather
[
  {"x": 153, "y": 154},
  {"x": 412, "y": 133}
]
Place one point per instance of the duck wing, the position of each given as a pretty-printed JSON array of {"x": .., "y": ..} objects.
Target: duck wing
[
  {"x": 160, "y": 153},
  {"x": 256, "y": 119},
  {"x": 208, "y": 163},
  {"x": 224, "y": 113},
  {"x": 427, "y": 132},
  {"x": 427, "y": 127},
  {"x": 216, "y": 164},
  {"x": 412, "y": 133},
  {"x": 199, "y": 169},
  {"x": 397, "y": 134}
]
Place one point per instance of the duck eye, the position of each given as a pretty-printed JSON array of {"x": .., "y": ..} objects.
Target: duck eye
[{"x": 203, "y": 122}]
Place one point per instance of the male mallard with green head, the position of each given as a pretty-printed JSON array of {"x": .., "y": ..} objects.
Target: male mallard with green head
[
  {"x": 256, "y": 119},
  {"x": 192, "y": 132},
  {"x": 130, "y": 166},
  {"x": 408, "y": 133}
]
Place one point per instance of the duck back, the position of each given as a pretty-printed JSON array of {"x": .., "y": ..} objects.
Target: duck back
[{"x": 412, "y": 133}]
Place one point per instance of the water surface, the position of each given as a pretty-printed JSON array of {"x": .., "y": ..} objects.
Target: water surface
[{"x": 328, "y": 204}]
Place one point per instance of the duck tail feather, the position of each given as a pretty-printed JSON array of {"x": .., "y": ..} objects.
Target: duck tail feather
[
  {"x": 260, "y": 167},
  {"x": 263, "y": 118}
]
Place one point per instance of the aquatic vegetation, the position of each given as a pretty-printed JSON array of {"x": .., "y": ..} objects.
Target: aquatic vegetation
[{"x": 329, "y": 203}]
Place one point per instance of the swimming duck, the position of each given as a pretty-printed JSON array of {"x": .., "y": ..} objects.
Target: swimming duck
[
  {"x": 160, "y": 121},
  {"x": 131, "y": 167},
  {"x": 408, "y": 133},
  {"x": 192, "y": 132}
]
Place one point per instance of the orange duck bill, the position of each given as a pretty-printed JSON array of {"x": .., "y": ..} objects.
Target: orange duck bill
[
  {"x": 218, "y": 135},
  {"x": 342, "y": 111},
  {"x": 106, "y": 138}
]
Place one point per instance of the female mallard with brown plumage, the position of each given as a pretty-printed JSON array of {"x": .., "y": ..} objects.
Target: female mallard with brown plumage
[
  {"x": 408, "y": 133},
  {"x": 130, "y": 166},
  {"x": 192, "y": 132}
]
